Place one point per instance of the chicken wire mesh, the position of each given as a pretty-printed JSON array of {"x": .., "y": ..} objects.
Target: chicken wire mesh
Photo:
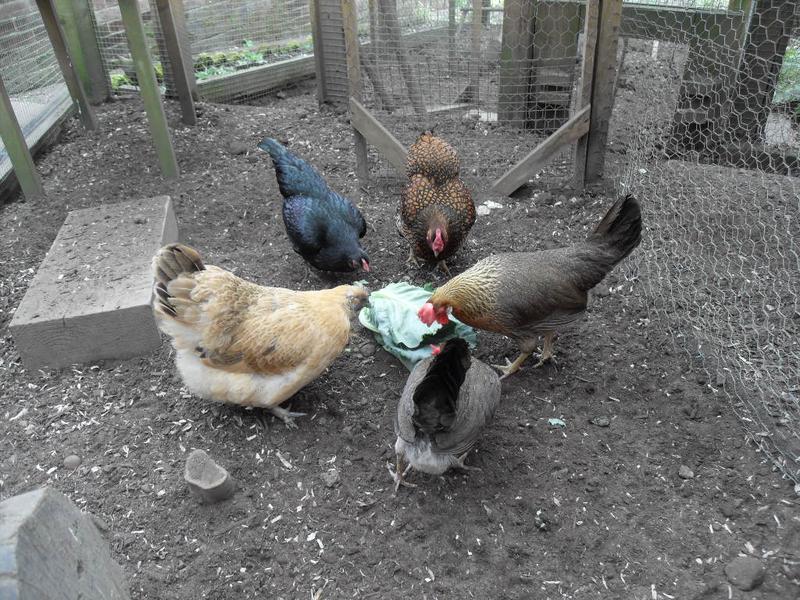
[
  {"x": 494, "y": 78},
  {"x": 30, "y": 72},
  {"x": 238, "y": 49},
  {"x": 706, "y": 130}
]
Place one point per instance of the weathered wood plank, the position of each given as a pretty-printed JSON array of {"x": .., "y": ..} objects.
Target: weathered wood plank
[
  {"x": 182, "y": 72},
  {"x": 56, "y": 35},
  {"x": 377, "y": 135},
  {"x": 319, "y": 48},
  {"x": 475, "y": 52},
  {"x": 258, "y": 80},
  {"x": 148, "y": 86},
  {"x": 50, "y": 549},
  {"x": 90, "y": 297},
  {"x": 17, "y": 148},
  {"x": 77, "y": 22},
  {"x": 605, "y": 75},
  {"x": 583, "y": 89},
  {"x": 350, "y": 24},
  {"x": 515, "y": 58},
  {"x": 540, "y": 156}
]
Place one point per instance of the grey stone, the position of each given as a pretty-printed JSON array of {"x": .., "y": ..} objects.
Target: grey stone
[
  {"x": 237, "y": 148},
  {"x": 72, "y": 462},
  {"x": 331, "y": 477},
  {"x": 50, "y": 549},
  {"x": 745, "y": 572},
  {"x": 601, "y": 421},
  {"x": 207, "y": 480},
  {"x": 685, "y": 472}
]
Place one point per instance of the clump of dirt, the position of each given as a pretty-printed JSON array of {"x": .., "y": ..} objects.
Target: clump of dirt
[{"x": 648, "y": 491}]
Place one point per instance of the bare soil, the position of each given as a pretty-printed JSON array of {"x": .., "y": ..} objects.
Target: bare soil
[{"x": 596, "y": 509}]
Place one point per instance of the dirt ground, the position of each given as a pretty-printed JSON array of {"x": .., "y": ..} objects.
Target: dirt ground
[{"x": 596, "y": 509}]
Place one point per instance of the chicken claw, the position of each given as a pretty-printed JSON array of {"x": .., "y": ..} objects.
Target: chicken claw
[
  {"x": 412, "y": 259},
  {"x": 444, "y": 268},
  {"x": 398, "y": 476},
  {"x": 510, "y": 368},
  {"x": 286, "y": 416},
  {"x": 460, "y": 463}
]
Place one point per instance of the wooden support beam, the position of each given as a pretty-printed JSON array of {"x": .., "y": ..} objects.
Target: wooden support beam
[
  {"x": 603, "y": 84},
  {"x": 377, "y": 135},
  {"x": 17, "y": 148},
  {"x": 319, "y": 49},
  {"x": 475, "y": 53},
  {"x": 537, "y": 159},
  {"x": 182, "y": 72},
  {"x": 515, "y": 62},
  {"x": 74, "y": 85},
  {"x": 148, "y": 86},
  {"x": 583, "y": 88},
  {"x": 77, "y": 22},
  {"x": 451, "y": 35},
  {"x": 350, "y": 24}
]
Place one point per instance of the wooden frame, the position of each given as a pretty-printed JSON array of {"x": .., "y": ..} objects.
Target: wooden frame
[
  {"x": 583, "y": 88},
  {"x": 350, "y": 25},
  {"x": 148, "y": 86},
  {"x": 77, "y": 21},
  {"x": 17, "y": 148},
  {"x": 376, "y": 134},
  {"x": 74, "y": 85},
  {"x": 182, "y": 73},
  {"x": 520, "y": 173}
]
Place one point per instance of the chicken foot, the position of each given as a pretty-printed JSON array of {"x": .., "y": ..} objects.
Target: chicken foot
[
  {"x": 459, "y": 464},
  {"x": 412, "y": 258},
  {"x": 399, "y": 473},
  {"x": 546, "y": 356},
  {"x": 510, "y": 368},
  {"x": 442, "y": 266},
  {"x": 286, "y": 416}
]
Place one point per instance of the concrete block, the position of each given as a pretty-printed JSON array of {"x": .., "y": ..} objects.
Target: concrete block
[
  {"x": 49, "y": 549},
  {"x": 90, "y": 298}
]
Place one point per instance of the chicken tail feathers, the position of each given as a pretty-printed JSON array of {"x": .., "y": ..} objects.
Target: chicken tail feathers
[
  {"x": 295, "y": 176},
  {"x": 620, "y": 230},
  {"x": 170, "y": 264}
]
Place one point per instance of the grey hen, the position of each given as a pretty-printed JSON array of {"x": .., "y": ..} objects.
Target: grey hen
[{"x": 447, "y": 401}]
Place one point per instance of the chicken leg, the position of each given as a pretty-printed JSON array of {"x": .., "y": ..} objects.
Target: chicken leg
[
  {"x": 547, "y": 349},
  {"x": 399, "y": 473},
  {"x": 547, "y": 355},
  {"x": 286, "y": 416},
  {"x": 444, "y": 268},
  {"x": 510, "y": 368},
  {"x": 460, "y": 463}
]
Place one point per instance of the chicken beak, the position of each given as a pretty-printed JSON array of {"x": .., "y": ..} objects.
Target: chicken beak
[{"x": 365, "y": 265}]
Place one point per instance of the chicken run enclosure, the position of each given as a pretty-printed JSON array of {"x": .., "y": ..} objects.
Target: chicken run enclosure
[{"x": 692, "y": 106}]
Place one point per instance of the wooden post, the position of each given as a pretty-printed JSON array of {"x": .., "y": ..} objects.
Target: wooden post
[
  {"x": 583, "y": 88},
  {"x": 515, "y": 63},
  {"x": 475, "y": 53},
  {"x": 602, "y": 97},
  {"x": 319, "y": 57},
  {"x": 17, "y": 148},
  {"x": 148, "y": 86},
  {"x": 74, "y": 85},
  {"x": 378, "y": 136},
  {"x": 77, "y": 22},
  {"x": 451, "y": 35},
  {"x": 182, "y": 73},
  {"x": 350, "y": 24},
  {"x": 394, "y": 43}
]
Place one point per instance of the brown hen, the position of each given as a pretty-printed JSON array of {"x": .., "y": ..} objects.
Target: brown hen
[
  {"x": 527, "y": 294},
  {"x": 436, "y": 209}
]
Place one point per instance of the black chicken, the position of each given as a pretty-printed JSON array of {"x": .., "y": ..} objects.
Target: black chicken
[{"x": 324, "y": 226}]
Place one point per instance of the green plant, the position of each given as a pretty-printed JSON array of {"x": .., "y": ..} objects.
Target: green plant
[
  {"x": 119, "y": 80},
  {"x": 788, "y": 86}
]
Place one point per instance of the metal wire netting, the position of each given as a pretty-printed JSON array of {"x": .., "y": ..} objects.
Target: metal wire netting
[
  {"x": 30, "y": 72},
  {"x": 706, "y": 130},
  {"x": 482, "y": 75}
]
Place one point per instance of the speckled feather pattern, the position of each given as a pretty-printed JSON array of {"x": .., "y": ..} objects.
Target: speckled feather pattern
[{"x": 434, "y": 197}]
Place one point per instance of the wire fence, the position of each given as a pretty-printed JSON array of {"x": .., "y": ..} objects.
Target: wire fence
[
  {"x": 706, "y": 129},
  {"x": 30, "y": 72},
  {"x": 482, "y": 75}
]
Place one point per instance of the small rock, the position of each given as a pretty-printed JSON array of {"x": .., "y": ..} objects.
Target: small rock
[
  {"x": 685, "y": 472},
  {"x": 483, "y": 210},
  {"x": 281, "y": 95},
  {"x": 601, "y": 421},
  {"x": 745, "y": 572},
  {"x": 207, "y": 480},
  {"x": 331, "y": 477},
  {"x": 728, "y": 510},
  {"x": 72, "y": 462},
  {"x": 237, "y": 148},
  {"x": 367, "y": 349}
]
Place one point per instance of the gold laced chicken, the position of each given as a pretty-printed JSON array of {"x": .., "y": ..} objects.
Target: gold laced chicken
[{"x": 243, "y": 343}]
